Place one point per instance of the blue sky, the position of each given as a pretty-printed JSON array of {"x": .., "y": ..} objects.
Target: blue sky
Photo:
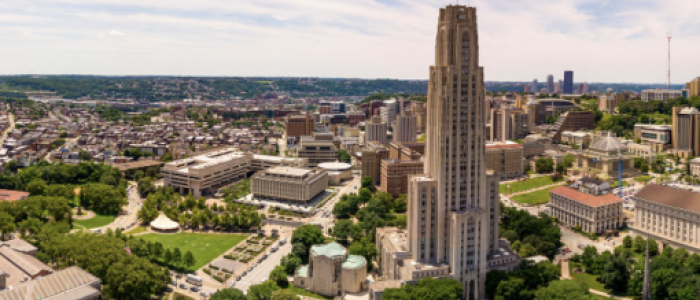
[{"x": 602, "y": 41}]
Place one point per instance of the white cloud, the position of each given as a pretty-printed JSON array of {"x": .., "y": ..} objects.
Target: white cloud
[
  {"x": 116, "y": 32},
  {"x": 600, "y": 40}
]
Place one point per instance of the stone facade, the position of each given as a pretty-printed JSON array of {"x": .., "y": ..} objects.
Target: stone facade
[
  {"x": 371, "y": 157},
  {"x": 593, "y": 209},
  {"x": 331, "y": 271},
  {"x": 289, "y": 184},
  {"x": 318, "y": 148},
  {"x": 376, "y": 130},
  {"x": 505, "y": 159}
]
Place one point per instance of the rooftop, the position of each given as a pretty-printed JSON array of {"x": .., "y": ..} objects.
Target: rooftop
[
  {"x": 587, "y": 199},
  {"x": 354, "y": 262},
  {"x": 330, "y": 250},
  {"x": 335, "y": 166},
  {"x": 288, "y": 171},
  {"x": 11, "y": 195},
  {"x": 506, "y": 144},
  {"x": 671, "y": 196},
  {"x": 609, "y": 144}
]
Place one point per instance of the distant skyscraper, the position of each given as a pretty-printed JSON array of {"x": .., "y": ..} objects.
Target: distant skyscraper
[
  {"x": 550, "y": 83},
  {"x": 533, "y": 86},
  {"x": 375, "y": 130},
  {"x": 405, "y": 126},
  {"x": 568, "y": 82},
  {"x": 585, "y": 88},
  {"x": 557, "y": 87},
  {"x": 526, "y": 89}
]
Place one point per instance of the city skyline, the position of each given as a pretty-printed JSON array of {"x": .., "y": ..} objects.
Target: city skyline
[{"x": 600, "y": 41}]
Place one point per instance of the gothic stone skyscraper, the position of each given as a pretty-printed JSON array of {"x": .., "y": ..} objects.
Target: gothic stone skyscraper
[{"x": 453, "y": 208}]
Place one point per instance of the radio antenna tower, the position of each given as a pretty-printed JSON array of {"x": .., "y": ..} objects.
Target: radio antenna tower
[{"x": 669, "y": 59}]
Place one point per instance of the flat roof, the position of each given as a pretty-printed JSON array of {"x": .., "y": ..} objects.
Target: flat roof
[
  {"x": 506, "y": 144},
  {"x": 588, "y": 199},
  {"x": 336, "y": 166},
  {"x": 288, "y": 171},
  {"x": 671, "y": 196},
  {"x": 12, "y": 195}
]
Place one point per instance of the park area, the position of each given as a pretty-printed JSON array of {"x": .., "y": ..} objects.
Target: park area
[
  {"x": 534, "y": 198},
  {"x": 95, "y": 222},
  {"x": 205, "y": 247},
  {"x": 532, "y": 183}
]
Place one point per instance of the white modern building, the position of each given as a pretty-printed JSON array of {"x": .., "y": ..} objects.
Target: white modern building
[
  {"x": 659, "y": 94},
  {"x": 297, "y": 185}
]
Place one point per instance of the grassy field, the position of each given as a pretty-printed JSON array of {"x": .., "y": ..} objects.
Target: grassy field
[
  {"x": 136, "y": 230},
  {"x": 533, "y": 198},
  {"x": 205, "y": 247},
  {"x": 520, "y": 186},
  {"x": 97, "y": 221},
  {"x": 300, "y": 291},
  {"x": 614, "y": 184}
]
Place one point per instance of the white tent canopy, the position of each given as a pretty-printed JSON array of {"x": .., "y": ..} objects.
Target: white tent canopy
[{"x": 164, "y": 223}]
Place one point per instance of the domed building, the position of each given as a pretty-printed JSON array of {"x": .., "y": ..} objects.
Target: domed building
[
  {"x": 602, "y": 158},
  {"x": 331, "y": 271}
]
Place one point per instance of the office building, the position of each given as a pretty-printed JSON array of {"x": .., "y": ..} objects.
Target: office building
[
  {"x": 331, "y": 271},
  {"x": 371, "y": 158},
  {"x": 318, "y": 148},
  {"x": 693, "y": 87},
  {"x": 686, "y": 131},
  {"x": 453, "y": 207},
  {"x": 376, "y": 130},
  {"x": 295, "y": 185},
  {"x": 608, "y": 104},
  {"x": 573, "y": 121},
  {"x": 505, "y": 159},
  {"x": 389, "y": 111},
  {"x": 374, "y": 107},
  {"x": 588, "y": 205},
  {"x": 568, "y": 82},
  {"x": 669, "y": 215},
  {"x": 550, "y": 84},
  {"x": 657, "y": 136},
  {"x": 584, "y": 88},
  {"x": 662, "y": 95},
  {"x": 355, "y": 117},
  {"x": 508, "y": 123},
  {"x": 420, "y": 111},
  {"x": 534, "y": 86},
  {"x": 405, "y": 159},
  {"x": 205, "y": 174},
  {"x": 695, "y": 166},
  {"x": 558, "y": 87},
  {"x": 298, "y": 125},
  {"x": 405, "y": 127}
]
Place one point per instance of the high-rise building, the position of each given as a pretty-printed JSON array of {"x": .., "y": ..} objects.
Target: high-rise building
[
  {"x": 686, "y": 131},
  {"x": 585, "y": 88},
  {"x": 693, "y": 87},
  {"x": 526, "y": 89},
  {"x": 558, "y": 87},
  {"x": 550, "y": 83},
  {"x": 375, "y": 130},
  {"x": 533, "y": 86},
  {"x": 405, "y": 127},
  {"x": 508, "y": 123},
  {"x": 453, "y": 213},
  {"x": 568, "y": 82},
  {"x": 389, "y": 111},
  {"x": 298, "y": 125},
  {"x": 419, "y": 110}
]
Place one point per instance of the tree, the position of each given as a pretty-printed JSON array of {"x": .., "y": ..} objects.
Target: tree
[
  {"x": 37, "y": 187},
  {"x": 367, "y": 183},
  {"x": 544, "y": 165},
  {"x": 345, "y": 229},
  {"x": 401, "y": 203},
  {"x": 639, "y": 245},
  {"x": 627, "y": 242},
  {"x": 616, "y": 274},
  {"x": 228, "y": 294},
  {"x": 279, "y": 276},
  {"x": 177, "y": 256},
  {"x": 7, "y": 224},
  {"x": 365, "y": 195},
  {"x": 299, "y": 250},
  {"x": 343, "y": 156},
  {"x": 568, "y": 160},
  {"x": 145, "y": 186},
  {"x": 493, "y": 279},
  {"x": 510, "y": 235},
  {"x": 168, "y": 256},
  {"x": 512, "y": 289},
  {"x": 290, "y": 263},
  {"x": 589, "y": 255},
  {"x": 565, "y": 290},
  {"x": 527, "y": 250},
  {"x": 308, "y": 235},
  {"x": 262, "y": 291},
  {"x": 189, "y": 260},
  {"x": 547, "y": 249},
  {"x": 427, "y": 289}
]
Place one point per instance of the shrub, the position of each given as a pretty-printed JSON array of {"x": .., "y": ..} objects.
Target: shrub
[
  {"x": 219, "y": 279},
  {"x": 207, "y": 271},
  {"x": 213, "y": 267},
  {"x": 228, "y": 257}
]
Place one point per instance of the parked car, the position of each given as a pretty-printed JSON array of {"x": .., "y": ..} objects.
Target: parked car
[
  {"x": 183, "y": 286},
  {"x": 194, "y": 289}
]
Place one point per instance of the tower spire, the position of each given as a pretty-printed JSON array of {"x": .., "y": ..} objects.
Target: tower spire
[{"x": 646, "y": 289}]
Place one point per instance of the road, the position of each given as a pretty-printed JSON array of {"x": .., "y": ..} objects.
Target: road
[
  {"x": 130, "y": 218},
  {"x": 11, "y": 119}
]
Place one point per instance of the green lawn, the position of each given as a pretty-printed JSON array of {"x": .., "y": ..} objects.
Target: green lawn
[
  {"x": 302, "y": 292},
  {"x": 205, "y": 247},
  {"x": 534, "y": 198},
  {"x": 520, "y": 186},
  {"x": 614, "y": 184},
  {"x": 136, "y": 230},
  {"x": 97, "y": 221},
  {"x": 643, "y": 179}
]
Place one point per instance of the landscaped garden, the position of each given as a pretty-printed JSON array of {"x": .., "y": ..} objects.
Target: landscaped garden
[
  {"x": 643, "y": 179},
  {"x": 529, "y": 184},
  {"x": 534, "y": 198},
  {"x": 205, "y": 247},
  {"x": 97, "y": 221}
]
